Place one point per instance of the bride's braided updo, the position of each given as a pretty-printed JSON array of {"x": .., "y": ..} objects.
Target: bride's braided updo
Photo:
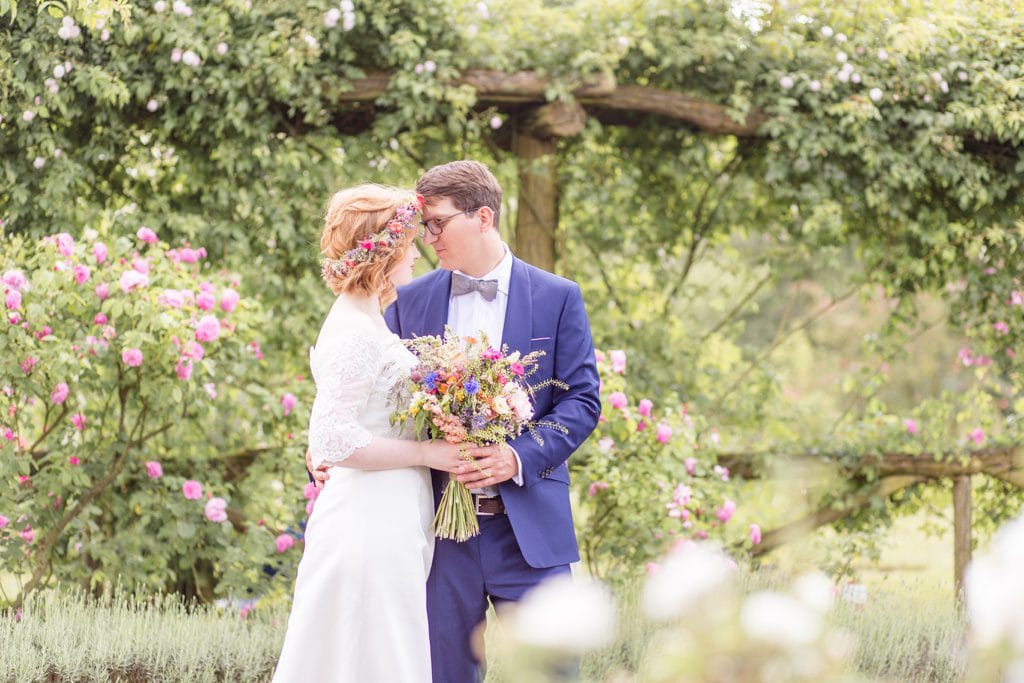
[{"x": 353, "y": 216}]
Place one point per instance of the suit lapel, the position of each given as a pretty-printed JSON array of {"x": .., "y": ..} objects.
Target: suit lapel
[{"x": 519, "y": 312}]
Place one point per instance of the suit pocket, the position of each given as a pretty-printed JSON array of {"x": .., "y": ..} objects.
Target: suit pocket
[{"x": 560, "y": 473}]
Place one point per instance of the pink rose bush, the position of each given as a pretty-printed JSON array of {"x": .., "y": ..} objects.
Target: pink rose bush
[
  {"x": 148, "y": 408},
  {"x": 647, "y": 478}
]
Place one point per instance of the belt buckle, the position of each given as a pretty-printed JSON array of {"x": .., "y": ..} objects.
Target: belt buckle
[{"x": 476, "y": 505}]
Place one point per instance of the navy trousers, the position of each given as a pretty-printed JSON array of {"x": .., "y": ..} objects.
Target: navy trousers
[{"x": 463, "y": 577}]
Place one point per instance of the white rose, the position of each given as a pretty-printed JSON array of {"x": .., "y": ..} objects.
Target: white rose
[{"x": 501, "y": 406}]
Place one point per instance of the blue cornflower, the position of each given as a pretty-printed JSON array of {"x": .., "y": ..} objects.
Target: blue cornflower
[
  {"x": 430, "y": 381},
  {"x": 471, "y": 386}
]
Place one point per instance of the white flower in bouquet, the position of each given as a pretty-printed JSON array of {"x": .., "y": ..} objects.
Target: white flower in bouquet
[{"x": 519, "y": 401}]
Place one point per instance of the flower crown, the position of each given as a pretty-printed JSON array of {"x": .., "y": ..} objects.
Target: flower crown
[{"x": 383, "y": 241}]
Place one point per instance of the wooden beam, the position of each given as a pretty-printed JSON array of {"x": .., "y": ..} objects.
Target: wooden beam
[
  {"x": 537, "y": 215},
  {"x": 961, "y": 530}
]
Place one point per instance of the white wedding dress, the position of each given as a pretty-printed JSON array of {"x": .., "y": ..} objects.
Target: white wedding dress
[{"x": 359, "y": 613}]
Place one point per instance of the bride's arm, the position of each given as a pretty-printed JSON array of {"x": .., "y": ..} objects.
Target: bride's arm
[{"x": 345, "y": 377}]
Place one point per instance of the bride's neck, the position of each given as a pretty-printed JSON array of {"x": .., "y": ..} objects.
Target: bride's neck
[{"x": 368, "y": 304}]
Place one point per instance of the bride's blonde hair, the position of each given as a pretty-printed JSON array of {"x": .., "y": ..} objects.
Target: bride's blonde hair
[{"x": 356, "y": 214}]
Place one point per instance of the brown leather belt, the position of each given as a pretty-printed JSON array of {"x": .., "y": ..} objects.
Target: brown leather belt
[{"x": 485, "y": 505}]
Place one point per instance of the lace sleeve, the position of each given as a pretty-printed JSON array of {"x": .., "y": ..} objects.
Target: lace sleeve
[{"x": 343, "y": 367}]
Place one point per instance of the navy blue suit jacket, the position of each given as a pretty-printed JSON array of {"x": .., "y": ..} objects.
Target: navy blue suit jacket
[{"x": 545, "y": 313}]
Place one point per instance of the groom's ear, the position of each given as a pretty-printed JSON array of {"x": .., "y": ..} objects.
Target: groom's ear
[{"x": 486, "y": 215}]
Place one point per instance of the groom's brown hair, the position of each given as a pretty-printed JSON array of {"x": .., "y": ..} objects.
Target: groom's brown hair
[{"x": 468, "y": 184}]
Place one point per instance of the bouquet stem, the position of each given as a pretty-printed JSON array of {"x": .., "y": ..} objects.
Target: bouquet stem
[{"x": 456, "y": 518}]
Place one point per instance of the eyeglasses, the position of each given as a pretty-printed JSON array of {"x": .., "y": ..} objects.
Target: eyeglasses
[{"x": 436, "y": 225}]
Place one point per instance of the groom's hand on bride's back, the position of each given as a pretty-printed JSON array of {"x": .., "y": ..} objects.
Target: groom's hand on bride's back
[{"x": 319, "y": 474}]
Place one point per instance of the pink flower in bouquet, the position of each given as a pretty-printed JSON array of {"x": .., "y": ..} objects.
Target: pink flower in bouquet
[
  {"x": 207, "y": 329},
  {"x": 205, "y": 301},
  {"x": 81, "y": 274},
  {"x": 99, "y": 252},
  {"x": 519, "y": 400},
  {"x": 283, "y": 542},
  {"x": 664, "y": 433},
  {"x": 102, "y": 291},
  {"x": 13, "y": 299},
  {"x": 100, "y": 319},
  {"x": 310, "y": 491},
  {"x": 228, "y": 300},
  {"x": 596, "y": 487},
  {"x": 154, "y": 470},
  {"x": 216, "y": 510},
  {"x": 911, "y": 426},
  {"x": 617, "y": 400},
  {"x": 15, "y": 279},
  {"x": 491, "y": 354},
  {"x": 517, "y": 369},
  {"x": 132, "y": 279},
  {"x": 755, "y": 534},
  {"x": 184, "y": 369},
  {"x": 618, "y": 362},
  {"x": 132, "y": 357},
  {"x": 65, "y": 245},
  {"x": 645, "y": 407},
  {"x": 79, "y": 421},
  {"x": 73, "y": 460},
  {"x": 977, "y": 435},
  {"x": 288, "y": 402},
  {"x": 726, "y": 512},
  {"x": 192, "y": 490},
  {"x": 59, "y": 394},
  {"x": 146, "y": 235}
]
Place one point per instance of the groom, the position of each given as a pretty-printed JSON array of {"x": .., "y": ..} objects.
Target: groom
[{"x": 522, "y": 493}]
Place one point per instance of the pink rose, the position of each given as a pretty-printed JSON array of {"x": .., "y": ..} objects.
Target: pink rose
[
  {"x": 192, "y": 489},
  {"x": 1001, "y": 327},
  {"x": 664, "y": 433},
  {"x": 9, "y": 434},
  {"x": 645, "y": 407},
  {"x": 641, "y": 426},
  {"x": 207, "y": 329},
  {"x": 154, "y": 470},
  {"x": 618, "y": 362},
  {"x": 205, "y": 301},
  {"x": 133, "y": 279},
  {"x": 184, "y": 369},
  {"x": 599, "y": 355},
  {"x": 13, "y": 299},
  {"x": 146, "y": 235},
  {"x": 28, "y": 363},
  {"x": 27, "y": 534},
  {"x": 193, "y": 350},
  {"x": 4, "y": 522},
  {"x": 911, "y": 426},
  {"x": 288, "y": 401},
  {"x": 283, "y": 542},
  {"x": 132, "y": 357},
  {"x": 103, "y": 291},
  {"x": 617, "y": 400},
  {"x": 726, "y": 512},
  {"x": 171, "y": 298},
  {"x": 99, "y": 252},
  {"x": 691, "y": 466},
  {"x": 140, "y": 265},
  {"x": 517, "y": 369},
  {"x": 59, "y": 394},
  {"x": 15, "y": 279},
  {"x": 65, "y": 245},
  {"x": 977, "y": 436},
  {"x": 755, "y": 534},
  {"x": 228, "y": 300},
  {"x": 216, "y": 510},
  {"x": 100, "y": 319},
  {"x": 79, "y": 421},
  {"x": 596, "y": 487},
  {"x": 81, "y": 274},
  {"x": 73, "y": 460}
]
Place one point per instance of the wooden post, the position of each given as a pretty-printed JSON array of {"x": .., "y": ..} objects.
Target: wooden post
[
  {"x": 961, "y": 530},
  {"x": 537, "y": 213}
]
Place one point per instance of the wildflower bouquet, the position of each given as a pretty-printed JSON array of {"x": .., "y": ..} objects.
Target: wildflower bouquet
[{"x": 467, "y": 392}]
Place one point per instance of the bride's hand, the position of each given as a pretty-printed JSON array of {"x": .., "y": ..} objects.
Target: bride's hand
[{"x": 441, "y": 455}]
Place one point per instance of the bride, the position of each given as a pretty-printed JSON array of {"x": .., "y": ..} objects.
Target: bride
[{"x": 359, "y": 611}]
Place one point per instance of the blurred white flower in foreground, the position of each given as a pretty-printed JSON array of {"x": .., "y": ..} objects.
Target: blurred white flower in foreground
[
  {"x": 571, "y": 615},
  {"x": 690, "y": 572},
  {"x": 995, "y": 593}
]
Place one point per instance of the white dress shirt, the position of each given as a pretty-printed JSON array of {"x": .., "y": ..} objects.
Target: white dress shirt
[{"x": 470, "y": 314}]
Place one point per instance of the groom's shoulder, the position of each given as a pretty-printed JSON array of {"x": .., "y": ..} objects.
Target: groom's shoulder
[{"x": 543, "y": 279}]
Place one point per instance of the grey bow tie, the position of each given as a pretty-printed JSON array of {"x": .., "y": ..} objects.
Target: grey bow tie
[{"x": 464, "y": 285}]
